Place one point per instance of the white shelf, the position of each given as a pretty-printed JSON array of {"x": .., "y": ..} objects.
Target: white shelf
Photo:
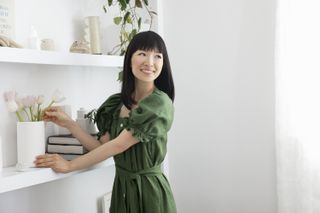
[
  {"x": 11, "y": 180},
  {"x": 29, "y": 56}
]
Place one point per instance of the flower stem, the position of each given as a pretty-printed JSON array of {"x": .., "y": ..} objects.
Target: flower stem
[
  {"x": 24, "y": 109},
  {"x": 31, "y": 113},
  {"x": 38, "y": 113},
  {"x": 19, "y": 116},
  {"x": 52, "y": 102}
]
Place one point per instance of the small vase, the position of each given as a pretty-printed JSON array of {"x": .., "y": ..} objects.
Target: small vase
[
  {"x": 92, "y": 34},
  {"x": 30, "y": 143}
]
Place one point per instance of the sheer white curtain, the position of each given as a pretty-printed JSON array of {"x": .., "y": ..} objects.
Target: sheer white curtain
[{"x": 298, "y": 105}]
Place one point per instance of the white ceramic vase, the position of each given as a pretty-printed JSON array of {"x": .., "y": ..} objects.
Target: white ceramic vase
[
  {"x": 92, "y": 34},
  {"x": 30, "y": 143}
]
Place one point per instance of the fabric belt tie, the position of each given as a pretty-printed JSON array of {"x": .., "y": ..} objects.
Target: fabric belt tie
[{"x": 153, "y": 171}]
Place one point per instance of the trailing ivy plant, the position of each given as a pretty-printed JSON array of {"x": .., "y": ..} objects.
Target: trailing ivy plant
[{"x": 129, "y": 20}]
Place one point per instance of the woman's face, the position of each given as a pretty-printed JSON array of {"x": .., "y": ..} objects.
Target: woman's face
[{"x": 146, "y": 65}]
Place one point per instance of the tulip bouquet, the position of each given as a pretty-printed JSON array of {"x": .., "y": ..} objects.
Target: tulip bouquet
[{"x": 29, "y": 108}]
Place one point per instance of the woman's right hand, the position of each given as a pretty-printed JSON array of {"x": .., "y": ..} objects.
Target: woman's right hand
[{"x": 57, "y": 116}]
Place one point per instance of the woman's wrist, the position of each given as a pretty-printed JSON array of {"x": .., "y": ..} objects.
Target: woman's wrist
[
  {"x": 71, "y": 166},
  {"x": 71, "y": 125}
]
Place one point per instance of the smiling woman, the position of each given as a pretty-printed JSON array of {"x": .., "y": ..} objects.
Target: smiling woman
[{"x": 133, "y": 127}]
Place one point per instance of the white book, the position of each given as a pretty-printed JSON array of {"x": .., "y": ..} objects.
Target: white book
[
  {"x": 66, "y": 149},
  {"x": 66, "y": 139}
]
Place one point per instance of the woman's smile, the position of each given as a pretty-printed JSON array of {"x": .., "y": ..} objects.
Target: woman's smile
[{"x": 147, "y": 71}]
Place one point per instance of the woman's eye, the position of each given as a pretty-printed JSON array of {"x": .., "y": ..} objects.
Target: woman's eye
[
  {"x": 159, "y": 56},
  {"x": 142, "y": 53}
]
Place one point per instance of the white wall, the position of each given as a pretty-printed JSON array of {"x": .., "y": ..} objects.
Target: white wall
[{"x": 222, "y": 154}]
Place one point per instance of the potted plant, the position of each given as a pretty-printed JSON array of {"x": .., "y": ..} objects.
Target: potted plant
[
  {"x": 130, "y": 20},
  {"x": 30, "y": 125}
]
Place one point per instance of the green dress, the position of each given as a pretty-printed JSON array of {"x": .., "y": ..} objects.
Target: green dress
[{"x": 139, "y": 185}]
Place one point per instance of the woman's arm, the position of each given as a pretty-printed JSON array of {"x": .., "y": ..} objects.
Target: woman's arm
[
  {"x": 120, "y": 144},
  {"x": 124, "y": 141},
  {"x": 89, "y": 142},
  {"x": 105, "y": 138},
  {"x": 59, "y": 117}
]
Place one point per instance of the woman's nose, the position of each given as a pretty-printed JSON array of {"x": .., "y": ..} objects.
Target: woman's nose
[{"x": 149, "y": 60}]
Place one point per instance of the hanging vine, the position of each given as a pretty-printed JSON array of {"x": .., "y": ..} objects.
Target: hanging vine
[{"x": 129, "y": 20}]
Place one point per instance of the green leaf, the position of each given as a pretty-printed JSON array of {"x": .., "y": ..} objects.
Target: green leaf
[
  {"x": 123, "y": 4},
  {"x": 133, "y": 33},
  {"x": 122, "y": 52},
  {"x": 126, "y": 16},
  {"x": 146, "y": 2},
  {"x": 127, "y": 1},
  {"x": 109, "y": 2},
  {"x": 139, "y": 23},
  {"x": 117, "y": 20},
  {"x": 104, "y": 8},
  {"x": 122, "y": 36},
  {"x": 120, "y": 76},
  {"x": 130, "y": 36},
  {"x": 129, "y": 20},
  {"x": 138, "y": 3},
  {"x": 126, "y": 35},
  {"x": 121, "y": 40},
  {"x": 154, "y": 13}
]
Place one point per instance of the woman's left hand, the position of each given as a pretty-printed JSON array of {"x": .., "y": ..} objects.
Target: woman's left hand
[{"x": 54, "y": 161}]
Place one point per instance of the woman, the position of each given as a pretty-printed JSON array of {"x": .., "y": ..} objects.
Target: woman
[{"x": 133, "y": 128}]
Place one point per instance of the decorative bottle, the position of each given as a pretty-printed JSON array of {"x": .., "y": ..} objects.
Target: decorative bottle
[{"x": 33, "y": 40}]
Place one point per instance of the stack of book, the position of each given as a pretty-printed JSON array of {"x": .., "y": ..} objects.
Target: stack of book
[{"x": 65, "y": 145}]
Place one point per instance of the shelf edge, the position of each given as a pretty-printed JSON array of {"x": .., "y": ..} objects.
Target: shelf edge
[
  {"x": 11, "y": 180},
  {"x": 29, "y": 56}
]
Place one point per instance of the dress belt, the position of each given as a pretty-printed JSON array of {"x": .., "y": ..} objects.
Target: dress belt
[{"x": 153, "y": 171}]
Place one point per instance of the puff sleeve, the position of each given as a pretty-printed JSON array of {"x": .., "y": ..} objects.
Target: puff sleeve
[
  {"x": 152, "y": 119},
  {"x": 105, "y": 113}
]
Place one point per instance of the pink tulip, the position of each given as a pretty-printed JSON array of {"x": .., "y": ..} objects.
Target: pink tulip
[
  {"x": 10, "y": 96},
  {"x": 19, "y": 103},
  {"x": 29, "y": 101},
  {"x": 40, "y": 99},
  {"x": 27, "y": 104},
  {"x": 57, "y": 97},
  {"x": 12, "y": 106}
]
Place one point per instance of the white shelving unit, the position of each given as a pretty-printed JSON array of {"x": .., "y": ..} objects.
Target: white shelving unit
[
  {"x": 29, "y": 56},
  {"x": 11, "y": 180}
]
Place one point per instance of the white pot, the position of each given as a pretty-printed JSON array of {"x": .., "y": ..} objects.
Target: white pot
[
  {"x": 92, "y": 32},
  {"x": 30, "y": 143}
]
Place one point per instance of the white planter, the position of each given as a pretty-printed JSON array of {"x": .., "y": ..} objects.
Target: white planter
[
  {"x": 30, "y": 143},
  {"x": 92, "y": 33}
]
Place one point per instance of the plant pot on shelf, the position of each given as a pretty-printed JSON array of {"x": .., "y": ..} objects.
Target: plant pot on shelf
[{"x": 30, "y": 143}]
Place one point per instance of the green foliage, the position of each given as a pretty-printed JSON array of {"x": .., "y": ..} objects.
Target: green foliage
[
  {"x": 91, "y": 115},
  {"x": 129, "y": 20}
]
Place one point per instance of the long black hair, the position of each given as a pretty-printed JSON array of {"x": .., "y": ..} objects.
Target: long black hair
[{"x": 146, "y": 41}]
